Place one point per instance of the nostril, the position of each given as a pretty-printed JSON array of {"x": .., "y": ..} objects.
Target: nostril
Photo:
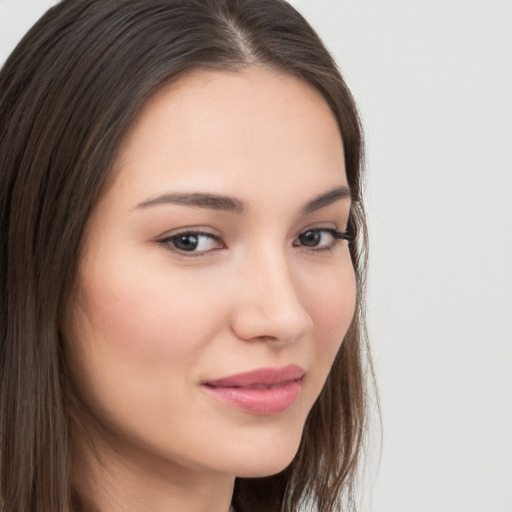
[
  {"x": 272, "y": 325},
  {"x": 266, "y": 304}
]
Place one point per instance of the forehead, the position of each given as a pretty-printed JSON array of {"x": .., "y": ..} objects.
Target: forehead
[{"x": 246, "y": 127}]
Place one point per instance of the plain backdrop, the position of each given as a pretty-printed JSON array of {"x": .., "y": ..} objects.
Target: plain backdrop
[{"x": 433, "y": 81}]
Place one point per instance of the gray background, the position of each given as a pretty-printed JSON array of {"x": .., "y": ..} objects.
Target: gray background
[{"x": 433, "y": 81}]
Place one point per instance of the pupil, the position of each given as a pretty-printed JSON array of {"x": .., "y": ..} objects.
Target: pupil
[
  {"x": 310, "y": 238},
  {"x": 186, "y": 242}
]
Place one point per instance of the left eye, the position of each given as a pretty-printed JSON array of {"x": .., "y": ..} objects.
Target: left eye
[
  {"x": 193, "y": 242},
  {"x": 319, "y": 238}
]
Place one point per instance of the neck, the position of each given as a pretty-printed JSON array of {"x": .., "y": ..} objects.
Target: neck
[{"x": 116, "y": 481}]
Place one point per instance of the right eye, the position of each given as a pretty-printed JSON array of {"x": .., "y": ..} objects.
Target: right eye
[{"x": 193, "y": 242}]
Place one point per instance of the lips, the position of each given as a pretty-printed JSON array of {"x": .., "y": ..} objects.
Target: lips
[{"x": 265, "y": 391}]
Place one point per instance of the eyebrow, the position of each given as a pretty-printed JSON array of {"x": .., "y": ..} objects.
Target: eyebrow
[
  {"x": 231, "y": 204},
  {"x": 328, "y": 198},
  {"x": 198, "y": 200}
]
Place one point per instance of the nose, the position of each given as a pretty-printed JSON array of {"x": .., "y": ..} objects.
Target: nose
[{"x": 267, "y": 305}]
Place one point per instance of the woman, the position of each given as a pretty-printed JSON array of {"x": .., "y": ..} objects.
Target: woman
[{"x": 182, "y": 262}]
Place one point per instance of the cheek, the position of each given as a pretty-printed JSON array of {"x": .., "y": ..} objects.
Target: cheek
[
  {"x": 334, "y": 300},
  {"x": 146, "y": 314},
  {"x": 137, "y": 340},
  {"x": 332, "y": 307}
]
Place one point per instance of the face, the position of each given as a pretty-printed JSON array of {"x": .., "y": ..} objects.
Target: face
[{"x": 215, "y": 285}]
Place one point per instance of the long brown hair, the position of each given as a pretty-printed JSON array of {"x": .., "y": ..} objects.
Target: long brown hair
[{"x": 68, "y": 94}]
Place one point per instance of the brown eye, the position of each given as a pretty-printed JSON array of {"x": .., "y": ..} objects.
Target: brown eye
[
  {"x": 319, "y": 239},
  {"x": 193, "y": 242},
  {"x": 187, "y": 242},
  {"x": 310, "y": 238}
]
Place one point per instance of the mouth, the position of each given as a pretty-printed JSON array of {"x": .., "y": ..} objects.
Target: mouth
[{"x": 263, "y": 392}]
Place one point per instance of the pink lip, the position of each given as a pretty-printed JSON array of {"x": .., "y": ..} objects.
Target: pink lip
[{"x": 265, "y": 392}]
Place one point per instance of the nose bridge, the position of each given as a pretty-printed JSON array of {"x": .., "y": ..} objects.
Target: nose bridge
[{"x": 269, "y": 306}]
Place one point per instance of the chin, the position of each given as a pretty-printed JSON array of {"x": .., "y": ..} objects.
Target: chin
[
  {"x": 265, "y": 471},
  {"x": 267, "y": 460}
]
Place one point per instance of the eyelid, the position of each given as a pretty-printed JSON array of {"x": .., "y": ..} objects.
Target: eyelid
[
  {"x": 165, "y": 240},
  {"x": 199, "y": 230},
  {"x": 338, "y": 236},
  {"x": 326, "y": 226}
]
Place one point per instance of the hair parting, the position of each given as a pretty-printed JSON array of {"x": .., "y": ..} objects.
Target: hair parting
[{"x": 68, "y": 94}]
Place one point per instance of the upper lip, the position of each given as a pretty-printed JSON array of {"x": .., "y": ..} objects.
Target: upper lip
[{"x": 260, "y": 377}]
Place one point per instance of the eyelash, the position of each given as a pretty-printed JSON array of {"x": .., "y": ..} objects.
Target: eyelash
[
  {"x": 337, "y": 236},
  {"x": 170, "y": 241}
]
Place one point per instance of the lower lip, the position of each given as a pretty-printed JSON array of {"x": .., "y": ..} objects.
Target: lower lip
[{"x": 263, "y": 402}]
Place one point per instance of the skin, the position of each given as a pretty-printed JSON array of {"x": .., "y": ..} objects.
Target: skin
[{"x": 148, "y": 323}]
